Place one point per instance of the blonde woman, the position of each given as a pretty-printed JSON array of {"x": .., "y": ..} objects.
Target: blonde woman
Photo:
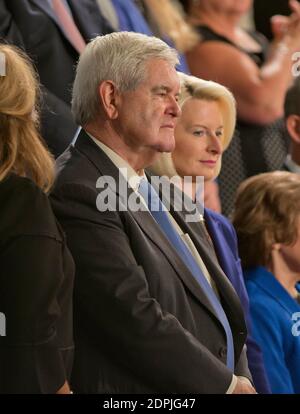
[
  {"x": 36, "y": 272},
  {"x": 267, "y": 221},
  {"x": 202, "y": 133}
]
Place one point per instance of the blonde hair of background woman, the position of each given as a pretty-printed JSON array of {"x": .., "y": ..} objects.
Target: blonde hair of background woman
[
  {"x": 193, "y": 87},
  {"x": 171, "y": 22},
  {"x": 21, "y": 149}
]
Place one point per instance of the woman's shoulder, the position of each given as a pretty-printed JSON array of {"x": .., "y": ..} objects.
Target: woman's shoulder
[
  {"x": 225, "y": 227},
  {"x": 208, "y": 34},
  {"x": 222, "y": 221},
  {"x": 25, "y": 209},
  {"x": 16, "y": 192},
  {"x": 16, "y": 182}
]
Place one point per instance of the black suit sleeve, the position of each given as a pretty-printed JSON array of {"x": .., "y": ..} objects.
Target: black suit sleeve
[
  {"x": 118, "y": 310},
  {"x": 57, "y": 124},
  {"x": 30, "y": 358},
  {"x": 36, "y": 280}
]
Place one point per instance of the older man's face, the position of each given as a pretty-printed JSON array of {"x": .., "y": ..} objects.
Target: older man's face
[{"x": 148, "y": 114}]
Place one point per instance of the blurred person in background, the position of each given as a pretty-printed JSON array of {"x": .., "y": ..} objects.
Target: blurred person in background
[
  {"x": 292, "y": 124},
  {"x": 257, "y": 73},
  {"x": 153, "y": 17},
  {"x": 264, "y": 12},
  {"x": 37, "y": 270},
  {"x": 267, "y": 222},
  {"x": 53, "y": 33}
]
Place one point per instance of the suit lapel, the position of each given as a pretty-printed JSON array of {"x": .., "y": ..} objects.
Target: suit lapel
[
  {"x": 153, "y": 231},
  {"x": 230, "y": 300},
  {"x": 143, "y": 218}
]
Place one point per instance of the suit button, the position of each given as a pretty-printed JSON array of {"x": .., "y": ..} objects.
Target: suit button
[{"x": 223, "y": 352}]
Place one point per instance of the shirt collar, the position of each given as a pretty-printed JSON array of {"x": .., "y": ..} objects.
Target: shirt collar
[
  {"x": 125, "y": 169},
  {"x": 292, "y": 166}
]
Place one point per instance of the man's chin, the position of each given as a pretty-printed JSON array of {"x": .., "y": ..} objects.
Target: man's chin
[{"x": 165, "y": 146}]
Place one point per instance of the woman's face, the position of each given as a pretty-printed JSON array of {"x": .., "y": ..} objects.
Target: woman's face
[{"x": 199, "y": 138}]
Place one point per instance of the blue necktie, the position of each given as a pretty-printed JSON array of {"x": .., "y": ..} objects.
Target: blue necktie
[{"x": 160, "y": 215}]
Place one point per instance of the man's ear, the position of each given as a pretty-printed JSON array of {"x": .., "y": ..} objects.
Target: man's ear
[
  {"x": 108, "y": 95},
  {"x": 293, "y": 127}
]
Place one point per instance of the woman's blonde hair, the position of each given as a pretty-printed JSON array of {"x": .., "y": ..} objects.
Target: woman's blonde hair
[
  {"x": 171, "y": 22},
  {"x": 267, "y": 208},
  {"x": 21, "y": 149},
  {"x": 193, "y": 87}
]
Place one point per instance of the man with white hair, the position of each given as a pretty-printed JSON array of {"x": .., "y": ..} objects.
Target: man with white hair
[{"x": 146, "y": 318}]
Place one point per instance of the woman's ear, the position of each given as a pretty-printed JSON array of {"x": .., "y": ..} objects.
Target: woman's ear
[
  {"x": 276, "y": 247},
  {"x": 108, "y": 95}
]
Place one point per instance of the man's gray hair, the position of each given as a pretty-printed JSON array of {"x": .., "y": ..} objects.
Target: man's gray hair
[{"x": 119, "y": 57}]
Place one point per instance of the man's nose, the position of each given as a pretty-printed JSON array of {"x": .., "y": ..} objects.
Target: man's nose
[{"x": 174, "y": 108}]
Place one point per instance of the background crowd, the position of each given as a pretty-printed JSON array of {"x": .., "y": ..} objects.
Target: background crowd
[{"x": 102, "y": 301}]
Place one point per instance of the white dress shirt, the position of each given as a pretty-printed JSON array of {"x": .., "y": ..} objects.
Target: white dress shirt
[{"x": 291, "y": 165}]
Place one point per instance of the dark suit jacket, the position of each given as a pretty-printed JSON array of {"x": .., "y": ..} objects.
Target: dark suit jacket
[
  {"x": 142, "y": 322},
  {"x": 224, "y": 239},
  {"x": 32, "y": 25},
  {"x": 36, "y": 279}
]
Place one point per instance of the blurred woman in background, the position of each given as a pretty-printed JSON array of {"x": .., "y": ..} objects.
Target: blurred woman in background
[
  {"x": 258, "y": 73},
  {"x": 267, "y": 221},
  {"x": 36, "y": 272}
]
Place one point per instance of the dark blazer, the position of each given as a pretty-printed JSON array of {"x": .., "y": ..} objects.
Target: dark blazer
[
  {"x": 275, "y": 315},
  {"x": 32, "y": 25},
  {"x": 142, "y": 322},
  {"x": 36, "y": 279},
  {"x": 224, "y": 239}
]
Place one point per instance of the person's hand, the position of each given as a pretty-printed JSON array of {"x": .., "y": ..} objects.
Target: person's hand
[
  {"x": 295, "y": 8},
  {"x": 283, "y": 26},
  {"x": 243, "y": 387},
  {"x": 279, "y": 26}
]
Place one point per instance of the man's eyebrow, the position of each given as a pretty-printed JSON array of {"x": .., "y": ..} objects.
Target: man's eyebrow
[{"x": 163, "y": 88}]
